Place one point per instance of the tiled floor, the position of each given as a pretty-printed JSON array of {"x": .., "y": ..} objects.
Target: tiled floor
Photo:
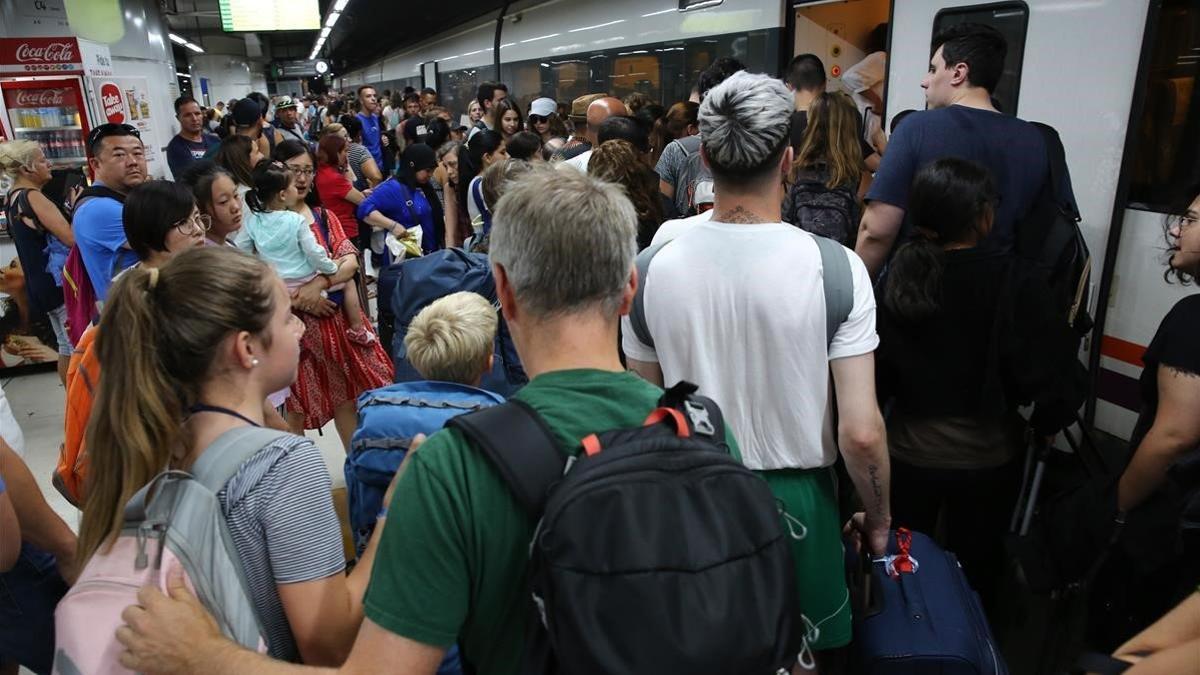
[{"x": 37, "y": 401}]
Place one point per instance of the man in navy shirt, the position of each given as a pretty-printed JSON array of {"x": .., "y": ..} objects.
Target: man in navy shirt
[
  {"x": 119, "y": 163},
  {"x": 191, "y": 144},
  {"x": 372, "y": 135},
  {"x": 961, "y": 122}
]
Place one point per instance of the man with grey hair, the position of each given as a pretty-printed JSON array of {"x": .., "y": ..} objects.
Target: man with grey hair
[
  {"x": 450, "y": 566},
  {"x": 738, "y": 306}
]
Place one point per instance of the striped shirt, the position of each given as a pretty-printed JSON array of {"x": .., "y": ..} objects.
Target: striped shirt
[
  {"x": 357, "y": 156},
  {"x": 279, "y": 510}
]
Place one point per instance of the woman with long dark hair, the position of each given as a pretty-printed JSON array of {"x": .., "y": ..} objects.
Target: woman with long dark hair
[
  {"x": 967, "y": 334},
  {"x": 239, "y": 155},
  {"x": 333, "y": 369},
  {"x": 619, "y": 162},
  {"x": 484, "y": 148}
]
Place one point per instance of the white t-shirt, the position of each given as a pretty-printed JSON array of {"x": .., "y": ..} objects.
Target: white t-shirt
[
  {"x": 740, "y": 311},
  {"x": 673, "y": 228},
  {"x": 579, "y": 162}
]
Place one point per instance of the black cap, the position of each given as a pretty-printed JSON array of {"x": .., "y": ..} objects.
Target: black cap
[
  {"x": 246, "y": 113},
  {"x": 420, "y": 156}
]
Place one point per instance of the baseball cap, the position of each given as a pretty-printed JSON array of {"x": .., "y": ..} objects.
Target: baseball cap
[
  {"x": 286, "y": 102},
  {"x": 421, "y": 156},
  {"x": 246, "y": 113},
  {"x": 542, "y": 107}
]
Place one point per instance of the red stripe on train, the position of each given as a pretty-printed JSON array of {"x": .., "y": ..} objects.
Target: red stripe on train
[{"x": 1116, "y": 348}]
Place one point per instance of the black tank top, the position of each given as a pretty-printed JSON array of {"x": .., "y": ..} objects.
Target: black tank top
[{"x": 44, "y": 294}]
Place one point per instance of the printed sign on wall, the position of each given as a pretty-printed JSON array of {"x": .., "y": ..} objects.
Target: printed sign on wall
[{"x": 126, "y": 100}]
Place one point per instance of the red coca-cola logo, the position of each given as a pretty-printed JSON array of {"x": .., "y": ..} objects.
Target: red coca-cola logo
[
  {"x": 33, "y": 98},
  {"x": 55, "y": 52},
  {"x": 110, "y": 98}
]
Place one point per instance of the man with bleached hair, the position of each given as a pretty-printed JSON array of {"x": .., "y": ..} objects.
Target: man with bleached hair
[{"x": 737, "y": 305}]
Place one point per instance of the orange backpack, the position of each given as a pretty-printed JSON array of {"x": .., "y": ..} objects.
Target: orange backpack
[{"x": 83, "y": 375}]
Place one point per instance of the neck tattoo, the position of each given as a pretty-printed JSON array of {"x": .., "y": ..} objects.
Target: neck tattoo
[{"x": 738, "y": 215}]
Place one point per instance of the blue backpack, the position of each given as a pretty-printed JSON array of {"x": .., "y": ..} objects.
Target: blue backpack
[
  {"x": 409, "y": 286},
  {"x": 388, "y": 419}
]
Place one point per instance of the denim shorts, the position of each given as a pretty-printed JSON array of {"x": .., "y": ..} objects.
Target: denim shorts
[
  {"x": 29, "y": 592},
  {"x": 58, "y": 321}
]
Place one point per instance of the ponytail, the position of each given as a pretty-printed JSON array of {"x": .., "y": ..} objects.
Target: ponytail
[
  {"x": 914, "y": 281},
  {"x": 952, "y": 201},
  {"x": 135, "y": 422},
  {"x": 270, "y": 178},
  {"x": 158, "y": 338}
]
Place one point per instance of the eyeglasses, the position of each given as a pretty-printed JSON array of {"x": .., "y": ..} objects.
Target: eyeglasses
[
  {"x": 538, "y": 119},
  {"x": 199, "y": 223},
  {"x": 105, "y": 130},
  {"x": 301, "y": 170}
]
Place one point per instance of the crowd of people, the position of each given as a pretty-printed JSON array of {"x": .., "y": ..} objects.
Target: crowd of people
[{"x": 632, "y": 246}]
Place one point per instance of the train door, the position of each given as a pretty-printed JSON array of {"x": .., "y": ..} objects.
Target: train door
[
  {"x": 1159, "y": 169},
  {"x": 1059, "y": 73},
  {"x": 850, "y": 38}
]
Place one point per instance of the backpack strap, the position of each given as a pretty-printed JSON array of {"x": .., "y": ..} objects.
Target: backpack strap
[
  {"x": 222, "y": 459},
  {"x": 98, "y": 191},
  {"x": 1057, "y": 171},
  {"x": 838, "y": 283},
  {"x": 637, "y": 313},
  {"x": 477, "y": 196},
  {"x": 521, "y": 447}
]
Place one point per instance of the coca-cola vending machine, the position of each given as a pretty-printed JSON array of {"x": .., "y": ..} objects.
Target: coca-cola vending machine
[{"x": 43, "y": 93}]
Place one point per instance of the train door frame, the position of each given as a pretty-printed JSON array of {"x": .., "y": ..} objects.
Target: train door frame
[{"x": 1116, "y": 225}]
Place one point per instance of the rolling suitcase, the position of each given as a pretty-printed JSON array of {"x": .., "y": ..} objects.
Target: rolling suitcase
[{"x": 919, "y": 616}]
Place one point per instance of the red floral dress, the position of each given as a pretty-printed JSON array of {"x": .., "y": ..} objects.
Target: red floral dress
[{"x": 333, "y": 369}]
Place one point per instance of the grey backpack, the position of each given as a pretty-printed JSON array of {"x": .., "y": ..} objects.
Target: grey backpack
[
  {"x": 837, "y": 282},
  {"x": 175, "y": 520},
  {"x": 691, "y": 176}
]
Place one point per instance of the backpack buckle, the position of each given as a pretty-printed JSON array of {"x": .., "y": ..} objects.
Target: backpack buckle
[{"x": 698, "y": 414}]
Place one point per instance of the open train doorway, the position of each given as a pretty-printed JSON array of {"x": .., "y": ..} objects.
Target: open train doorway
[{"x": 850, "y": 37}]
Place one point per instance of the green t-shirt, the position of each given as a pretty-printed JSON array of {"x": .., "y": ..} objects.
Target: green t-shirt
[{"x": 451, "y": 562}]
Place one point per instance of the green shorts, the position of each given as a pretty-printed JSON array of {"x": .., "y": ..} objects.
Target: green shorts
[{"x": 808, "y": 496}]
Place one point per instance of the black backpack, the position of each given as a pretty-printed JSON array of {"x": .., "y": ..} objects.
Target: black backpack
[
  {"x": 655, "y": 551},
  {"x": 1050, "y": 238},
  {"x": 827, "y": 212}
]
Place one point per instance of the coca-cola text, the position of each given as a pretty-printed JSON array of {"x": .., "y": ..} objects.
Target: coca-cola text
[{"x": 55, "y": 52}]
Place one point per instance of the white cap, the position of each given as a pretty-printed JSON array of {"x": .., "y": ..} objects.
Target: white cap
[
  {"x": 542, "y": 107},
  {"x": 704, "y": 193}
]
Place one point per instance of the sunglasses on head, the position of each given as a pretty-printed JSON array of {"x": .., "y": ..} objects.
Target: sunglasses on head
[{"x": 105, "y": 130}]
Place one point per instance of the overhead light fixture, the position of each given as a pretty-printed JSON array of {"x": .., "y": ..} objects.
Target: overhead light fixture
[
  {"x": 663, "y": 11},
  {"x": 182, "y": 41},
  {"x": 184, "y": 75},
  {"x": 333, "y": 18},
  {"x": 326, "y": 31},
  {"x": 340, "y": 5}
]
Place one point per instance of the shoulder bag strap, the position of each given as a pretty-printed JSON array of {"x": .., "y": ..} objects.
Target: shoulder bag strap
[
  {"x": 838, "y": 284},
  {"x": 637, "y": 314},
  {"x": 521, "y": 447},
  {"x": 222, "y": 459},
  {"x": 477, "y": 195}
]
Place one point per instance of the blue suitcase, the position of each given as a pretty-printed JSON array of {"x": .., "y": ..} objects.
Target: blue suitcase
[{"x": 926, "y": 621}]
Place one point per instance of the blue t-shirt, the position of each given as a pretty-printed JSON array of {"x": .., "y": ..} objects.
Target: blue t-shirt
[
  {"x": 100, "y": 236},
  {"x": 1012, "y": 149},
  {"x": 391, "y": 198},
  {"x": 181, "y": 152},
  {"x": 371, "y": 137}
]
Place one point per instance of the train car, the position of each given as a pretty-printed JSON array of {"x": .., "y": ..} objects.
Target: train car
[{"x": 1115, "y": 77}]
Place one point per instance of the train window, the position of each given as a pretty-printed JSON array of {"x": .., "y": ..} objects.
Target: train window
[
  {"x": 1164, "y": 160},
  {"x": 1011, "y": 19},
  {"x": 635, "y": 71}
]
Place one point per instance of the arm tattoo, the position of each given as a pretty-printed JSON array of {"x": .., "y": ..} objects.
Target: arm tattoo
[{"x": 876, "y": 487}]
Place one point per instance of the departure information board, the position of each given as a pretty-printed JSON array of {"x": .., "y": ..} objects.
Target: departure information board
[{"x": 267, "y": 15}]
